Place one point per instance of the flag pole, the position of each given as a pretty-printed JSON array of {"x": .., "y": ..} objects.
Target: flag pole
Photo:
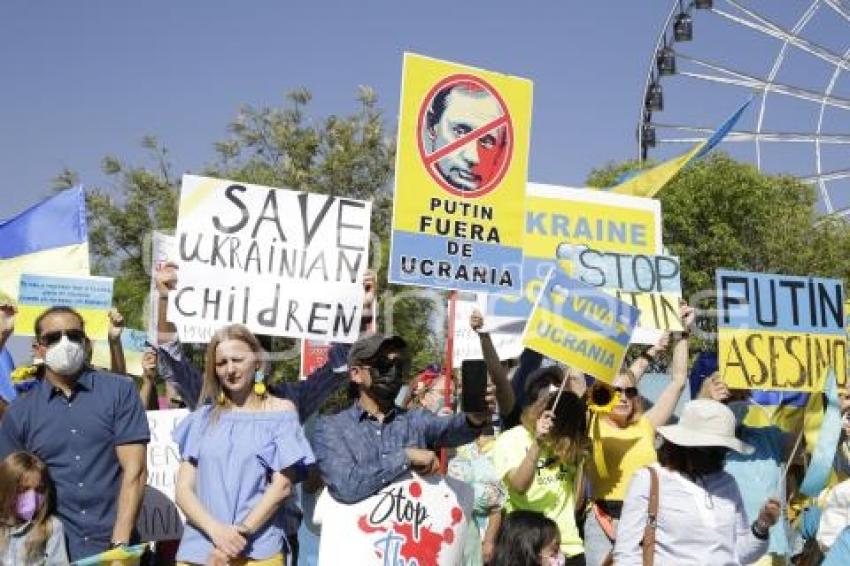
[{"x": 447, "y": 366}]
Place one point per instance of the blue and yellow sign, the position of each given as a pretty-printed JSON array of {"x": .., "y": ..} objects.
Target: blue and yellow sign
[
  {"x": 559, "y": 216},
  {"x": 780, "y": 332},
  {"x": 460, "y": 179},
  {"x": 575, "y": 324}
]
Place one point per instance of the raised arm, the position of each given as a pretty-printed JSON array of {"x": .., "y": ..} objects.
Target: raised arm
[
  {"x": 663, "y": 409},
  {"x": 504, "y": 392},
  {"x": 641, "y": 363},
  {"x": 117, "y": 362}
]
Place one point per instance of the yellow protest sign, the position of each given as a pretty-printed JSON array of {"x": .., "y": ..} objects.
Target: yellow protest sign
[
  {"x": 90, "y": 296},
  {"x": 460, "y": 177},
  {"x": 557, "y": 217},
  {"x": 780, "y": 332}
]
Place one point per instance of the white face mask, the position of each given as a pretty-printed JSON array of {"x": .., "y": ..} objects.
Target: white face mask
[{"x": 65, "y": 357}]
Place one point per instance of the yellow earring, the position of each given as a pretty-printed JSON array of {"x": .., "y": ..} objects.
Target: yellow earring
[
  {"x": 221, "y": 398},
  {"x": 259, "y": 383}
]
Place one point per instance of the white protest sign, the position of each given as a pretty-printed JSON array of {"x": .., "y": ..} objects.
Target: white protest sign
[
  {"x": 162, "y": 251},
  {"x": 414, "y": 522},
  {"x": 505, "y": 332},
  {"x": 281, "y": 262},
  {"x": 159, "y": 517}
]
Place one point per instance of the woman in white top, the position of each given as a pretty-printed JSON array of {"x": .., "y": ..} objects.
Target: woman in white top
[{"x": 701, "y": 517}]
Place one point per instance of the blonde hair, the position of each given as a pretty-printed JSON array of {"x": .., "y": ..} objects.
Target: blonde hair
[
  {"x": 212, "y": 389},
  {"x": 12, "y": 470},
  {"x": 637, "y": 400}
]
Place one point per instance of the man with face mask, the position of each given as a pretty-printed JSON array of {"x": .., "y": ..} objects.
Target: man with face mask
[
  {"x": 90, "y": 428},
  {"x": 373, "y": 443}
]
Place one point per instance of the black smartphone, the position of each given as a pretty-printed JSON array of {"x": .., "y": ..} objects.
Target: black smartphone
[{"x": 473, "y": 375}]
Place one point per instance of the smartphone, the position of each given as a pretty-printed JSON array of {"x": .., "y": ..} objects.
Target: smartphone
[{"x": 473, "y": 375}]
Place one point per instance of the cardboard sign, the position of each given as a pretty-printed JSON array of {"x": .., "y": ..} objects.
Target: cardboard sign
[
  {"x": 506, "y": 334},
  {"x": 557, "y": 216},
  {"x": 650, "y": 283},
  {"x": 163, "y": 250},
  {"x": 281, "y": 262},
  {"x": 90, "y": 296},
  {"x": 580, "y": 326},
  {"x": 780, "y": 331},
  {"x": 313, "y": 356},
  {"x": 159, "y": 517},
  {"x": 414, "y": 522},
  {"x": 460, "y": 178},
  {"x": 133, "y": 342}
]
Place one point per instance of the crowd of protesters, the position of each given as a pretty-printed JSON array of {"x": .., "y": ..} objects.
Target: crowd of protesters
[{"x": 557, "y": 477}]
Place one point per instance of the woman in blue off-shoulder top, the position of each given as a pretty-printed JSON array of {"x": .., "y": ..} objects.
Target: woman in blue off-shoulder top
[{"x": 241, "y": 453}]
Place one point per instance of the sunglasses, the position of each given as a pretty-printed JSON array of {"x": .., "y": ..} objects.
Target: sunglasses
[
  {"x": 51, "y": 338},
  {"x": 628, "y": 392}
]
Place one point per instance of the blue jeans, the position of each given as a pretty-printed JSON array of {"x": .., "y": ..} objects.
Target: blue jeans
[{"x": 597, "y": 545}]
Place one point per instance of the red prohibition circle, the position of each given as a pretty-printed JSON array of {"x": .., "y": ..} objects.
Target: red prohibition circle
[{"x": 431, "y": 161}]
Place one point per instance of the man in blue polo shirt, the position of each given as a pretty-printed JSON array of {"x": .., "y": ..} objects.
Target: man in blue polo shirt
[{"x": 90, "y": 428}]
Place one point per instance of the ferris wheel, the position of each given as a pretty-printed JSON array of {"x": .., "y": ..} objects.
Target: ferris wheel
[{"x": 793, "y": 56}]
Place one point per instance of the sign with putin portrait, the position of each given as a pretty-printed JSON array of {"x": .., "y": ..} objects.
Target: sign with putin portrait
[{"x": 460, "y": 180}]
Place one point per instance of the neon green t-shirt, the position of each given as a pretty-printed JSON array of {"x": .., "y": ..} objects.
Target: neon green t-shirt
[{"x": 552, "y": 492}]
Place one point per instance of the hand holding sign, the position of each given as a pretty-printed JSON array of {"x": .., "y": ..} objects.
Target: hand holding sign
[
  {"x": 116, "y": 324},
  {"x": 165, "y": 278},
  {"x": 423, "y": 461}
]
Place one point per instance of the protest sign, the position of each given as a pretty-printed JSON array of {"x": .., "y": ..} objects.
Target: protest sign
[
  {"x": 163, "y": 250},
  {"x": 460, "y": 178},
  {"x": 580, "y": 326},
  {"x": 88, "y": 295},
  {"x": 281, "y": 262},
  {"x": 419, "y": 521},
  {"x": 505, "y": 333},
  {"x": 159, "y": 517},
  {"x": 557, "y": 216},
  {"x": 780, "y": 332},
  {"x": 132, "y": 342},
  {"x": 650, "y": 283},
  {"x": 314, "y": 354}
]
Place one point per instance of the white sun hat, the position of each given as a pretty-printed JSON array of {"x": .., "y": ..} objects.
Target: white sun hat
[{"x": 705, "y": 423}]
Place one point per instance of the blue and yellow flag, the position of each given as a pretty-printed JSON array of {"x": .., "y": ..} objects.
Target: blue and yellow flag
[
  {"x": 49, "y": 237},
  {"x": 127, "y": 556},
  {"x": 649, "y": 182}
]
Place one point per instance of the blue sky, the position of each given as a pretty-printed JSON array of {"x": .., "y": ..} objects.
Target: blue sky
[{"x": 86, "y": 79}]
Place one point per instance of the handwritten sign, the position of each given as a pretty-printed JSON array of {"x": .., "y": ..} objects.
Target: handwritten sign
[
  {"x": 159, "y": 517},
  {"x": 461, "y": 171},
  {"x": 505, "y": 333},
  {"x": 580, "y": 326},
  {"x": 90, "y": 296},
  {"x": 163, "y": 250},
  {"x": 281, "y": 262},
  {"x": 650, "y": 283},
  {"x": 558, "y": 216},
  {"x": 414, "y": 522},
  {"x": 780, "y": 332}
]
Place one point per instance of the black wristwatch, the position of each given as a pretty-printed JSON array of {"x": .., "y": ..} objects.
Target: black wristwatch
[{"x": 758, "y": 532}]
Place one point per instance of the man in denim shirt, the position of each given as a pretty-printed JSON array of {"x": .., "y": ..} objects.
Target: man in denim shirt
[{"x": 373, "y": 443}]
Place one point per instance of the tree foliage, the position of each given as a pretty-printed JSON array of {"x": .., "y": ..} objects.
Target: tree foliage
[
  {"x": 720, "y": 213},
  {"x": 351, "y": 156}
]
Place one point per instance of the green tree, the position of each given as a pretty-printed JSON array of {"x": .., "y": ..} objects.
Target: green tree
[
  {"x": 721, "y": 213},
  {"x": 350, "y": 156}
]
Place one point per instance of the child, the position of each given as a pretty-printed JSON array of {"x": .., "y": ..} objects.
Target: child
[
  {"x": 528, "y": 538},
  {"x": 29, "y": 534}
]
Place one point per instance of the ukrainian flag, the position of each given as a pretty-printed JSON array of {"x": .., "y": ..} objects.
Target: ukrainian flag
[
  {"x": 649, "y": 182},
  {"x": 127, "y": 556},
  {"x": 50, "y": 237}
]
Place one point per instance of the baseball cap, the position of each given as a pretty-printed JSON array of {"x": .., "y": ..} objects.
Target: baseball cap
[{"x": 366, "y": 349}]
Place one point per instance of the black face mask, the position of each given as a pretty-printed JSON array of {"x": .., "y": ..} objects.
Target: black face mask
[{"x": 387, "y": 380}]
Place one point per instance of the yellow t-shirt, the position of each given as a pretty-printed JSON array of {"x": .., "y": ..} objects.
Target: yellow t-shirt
[
  {"x": 552, "y": 491},
  {"x": 626, "y": 450}
]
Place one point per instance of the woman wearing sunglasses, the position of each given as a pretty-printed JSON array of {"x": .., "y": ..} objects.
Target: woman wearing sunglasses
[{"x": 623, "y": 441}]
